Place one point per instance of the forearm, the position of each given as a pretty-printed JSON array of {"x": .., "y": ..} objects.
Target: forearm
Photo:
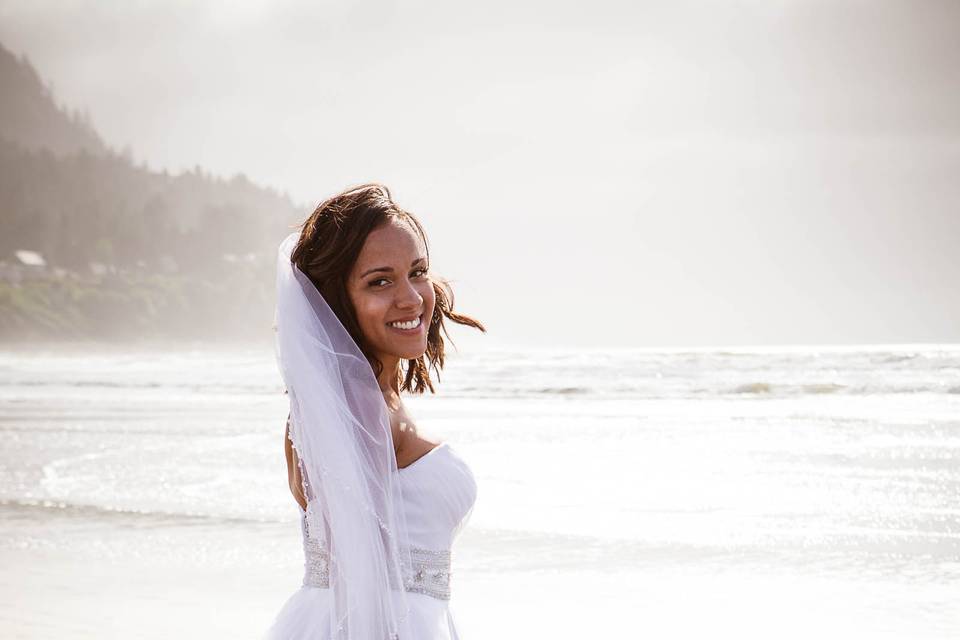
[{"x": 293, "y": 469}]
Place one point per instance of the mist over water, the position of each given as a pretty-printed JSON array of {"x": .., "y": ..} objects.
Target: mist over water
[{"x": 757, "y": 172}]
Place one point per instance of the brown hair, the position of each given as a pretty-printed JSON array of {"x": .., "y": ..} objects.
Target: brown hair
[{"x": 331, "y": 239}]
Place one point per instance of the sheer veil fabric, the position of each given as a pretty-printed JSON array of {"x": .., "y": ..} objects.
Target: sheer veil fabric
[{"x": 340, "y": 429}]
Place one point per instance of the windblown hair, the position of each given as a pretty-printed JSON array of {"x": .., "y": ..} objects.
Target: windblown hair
[{"x": 331, "y": 239}]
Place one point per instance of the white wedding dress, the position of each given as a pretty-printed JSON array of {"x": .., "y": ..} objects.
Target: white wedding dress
[{"x": 439, "y": 492}]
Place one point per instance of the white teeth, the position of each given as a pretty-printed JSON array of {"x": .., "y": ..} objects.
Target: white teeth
[{"x": 412, "y": 324}]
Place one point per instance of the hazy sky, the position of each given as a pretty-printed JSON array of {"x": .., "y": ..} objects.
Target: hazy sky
[{"x": 635, "y": 173}]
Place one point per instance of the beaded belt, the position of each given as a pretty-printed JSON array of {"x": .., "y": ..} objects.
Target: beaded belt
[{"x": 430, "y": 573}]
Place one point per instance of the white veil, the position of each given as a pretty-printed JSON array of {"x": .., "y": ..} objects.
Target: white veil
[{"x": 340, "y": 429}]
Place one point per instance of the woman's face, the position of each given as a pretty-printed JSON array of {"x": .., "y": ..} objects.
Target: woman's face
[{"x": 389, "y": 283}]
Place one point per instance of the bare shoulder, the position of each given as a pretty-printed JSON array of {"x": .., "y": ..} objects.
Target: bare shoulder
[{"x": 410, "y": 441}]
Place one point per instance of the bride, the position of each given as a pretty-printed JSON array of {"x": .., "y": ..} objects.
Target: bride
[{"x": 381, "y": 503}]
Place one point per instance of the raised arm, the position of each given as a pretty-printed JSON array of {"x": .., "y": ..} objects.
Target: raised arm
[{"x": 293, "y": 469}]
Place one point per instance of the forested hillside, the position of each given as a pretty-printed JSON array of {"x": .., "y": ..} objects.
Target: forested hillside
[{"x": 128, "y": 251}]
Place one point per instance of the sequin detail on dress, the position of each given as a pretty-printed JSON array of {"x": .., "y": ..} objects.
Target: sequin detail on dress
[
  {"x": 317, "y": 564},
  {"x": 430, "y": 573}
]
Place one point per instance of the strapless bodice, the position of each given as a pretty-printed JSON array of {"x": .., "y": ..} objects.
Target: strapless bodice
[{"x": 439, "y": 492}]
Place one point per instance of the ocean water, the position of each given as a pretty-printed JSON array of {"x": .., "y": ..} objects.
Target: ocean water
[{"x": 801, "y": 492}]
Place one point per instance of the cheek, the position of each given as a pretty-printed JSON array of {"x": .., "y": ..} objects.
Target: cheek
[
  {"x": 429, "y": 299},
  {"x": 370, "y": 312}
]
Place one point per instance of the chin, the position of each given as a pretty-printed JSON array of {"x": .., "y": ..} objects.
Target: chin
[
  {"x": 407, "y": 352},
  {"x": 411, "y": 354}
]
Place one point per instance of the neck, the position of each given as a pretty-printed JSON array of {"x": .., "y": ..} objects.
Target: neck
[{"x": 390, "y": 377}]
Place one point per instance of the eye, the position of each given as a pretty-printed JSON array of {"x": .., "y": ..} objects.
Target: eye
[{"x": 373, "y": 283}]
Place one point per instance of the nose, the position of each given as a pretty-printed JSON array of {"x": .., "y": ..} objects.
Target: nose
[{"x": 409, "y": 298}]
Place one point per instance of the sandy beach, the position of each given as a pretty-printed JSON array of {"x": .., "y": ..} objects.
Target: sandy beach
[
  {"x": 143, "y": 495},
  {"x": 234, "y": 592}
]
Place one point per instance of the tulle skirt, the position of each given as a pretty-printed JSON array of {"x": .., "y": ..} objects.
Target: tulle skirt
[{"x": 306, "y": 614}]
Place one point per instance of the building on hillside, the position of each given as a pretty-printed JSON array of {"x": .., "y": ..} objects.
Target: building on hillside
[
  {"x": 30, "y": 258},
  {"x": 25, "y": 265}
]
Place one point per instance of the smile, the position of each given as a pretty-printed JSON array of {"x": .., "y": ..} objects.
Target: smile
[{"x": 407, "y": 326}]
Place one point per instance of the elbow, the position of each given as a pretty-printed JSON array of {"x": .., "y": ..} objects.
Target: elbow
[{"x": 297, "y": 492}]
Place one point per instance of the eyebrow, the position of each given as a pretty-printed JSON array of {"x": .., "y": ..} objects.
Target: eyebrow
[{"x": 388, "y": 269}]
